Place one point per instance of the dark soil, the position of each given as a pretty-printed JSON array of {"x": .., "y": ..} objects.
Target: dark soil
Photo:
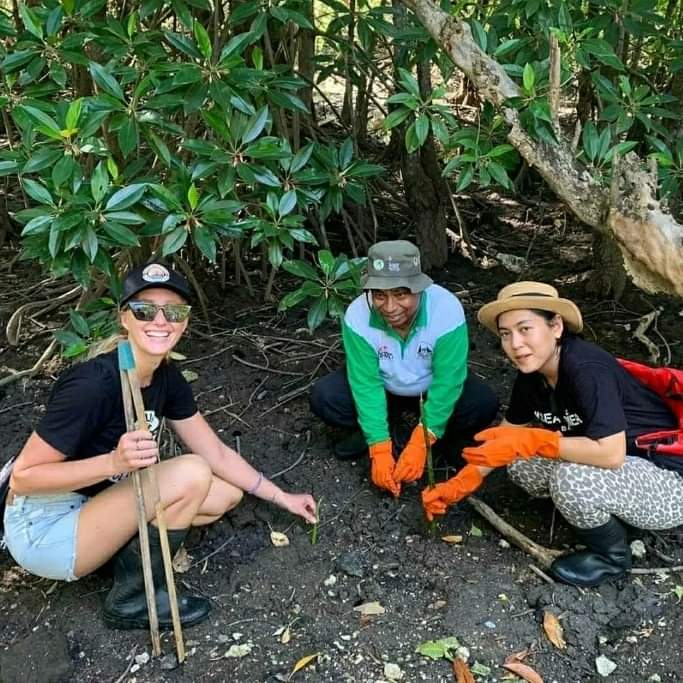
[{"x": 369, "y": 547}]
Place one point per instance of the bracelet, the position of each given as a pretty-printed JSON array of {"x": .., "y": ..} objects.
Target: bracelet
[{"x": 256, "y": 485}]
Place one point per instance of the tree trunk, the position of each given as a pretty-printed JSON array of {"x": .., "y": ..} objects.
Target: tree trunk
[
  {"x": 427, "y": 192},
  {"x": 650, "y": 239},
  {"x": 306, "y": 57},
  {"x": 608, "y": 278}
]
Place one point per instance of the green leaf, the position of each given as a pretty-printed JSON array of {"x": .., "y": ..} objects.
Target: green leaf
[
  {"x": 300, "y": 269},
  {"x": 63, "y": 170},
  {"x": 590, "y": 139},
  {"x": 79, "y": 323},
  {"x": 409, "y": 82},
  {"x": 345, "y": 153},
  {"x": 125, "y": 197},
  {"x": 90, "y": 244},
  {"x": 287, "y": 202},
  {"x": 396, "y": 117},
  {"x": 43, "y": 119},
  {"x": 42, "y": 159},
  {"x": 203, "y": 40},
  {"x": 275, "y": 254},
  {"x": 292, "y": 299},
  {"x": 174, "y": 241},
  {"x": 326, "y": 261},
  {"x": 256, "y": 125},
  {"x": 499, "y": 174},
  {"x": 73, "y": 114},
  {"x": 125, "y": 217},
  {"x": 301, "y": 158},
  {"x": 603, "y": 52},
  {"x": 205, "y": 241},
  {"x": 106, "y": 81},
  {"x": 128, "y": 137},
  {"x": 31, "y": 21},
  {"x": 193, "y": 196},
  {"x": 438, "y": 649},
  {"x": 99, "y": 182},
  {"x": 120, "y": 234},
  {"x": 37, "y": 191},
  {"x": 528, "y": 78},
  {"x": 316, "y": 314},
  {"x": 422, "y": 129}
]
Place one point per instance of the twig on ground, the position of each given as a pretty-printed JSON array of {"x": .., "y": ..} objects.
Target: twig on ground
[
  {"x": 297, "y": 461},
  {"x": 265, "y": 368},
  {"x": 214, "y": 552},
  {"x": 33, "y": 370},
  {"x": 16, "y": 405},
  {"x": 131, "y": 659},
  {"x": 541, "y": 573},
  {"x": 657, "y": 570},
  {"x": 211, "y": 355},
  {"x": 545, "y": 556}
]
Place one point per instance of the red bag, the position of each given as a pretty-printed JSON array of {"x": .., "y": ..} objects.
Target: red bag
[{"x": 667, "y": 383}]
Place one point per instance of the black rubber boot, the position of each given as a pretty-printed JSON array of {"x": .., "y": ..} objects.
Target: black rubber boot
[
  {"x": 351, "y": 447},
  {"x": 125, "y": 606},
  {"x": 608, "y": 556}
]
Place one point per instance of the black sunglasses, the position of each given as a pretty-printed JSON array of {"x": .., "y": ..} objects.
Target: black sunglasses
[{"x": 146, "y": 311}]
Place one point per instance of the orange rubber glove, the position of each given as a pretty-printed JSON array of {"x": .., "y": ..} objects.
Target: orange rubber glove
[
  {"x": 506, "y": 444},
  {"x": 411, "y": 462},
  {"x": 383, "y": 465},
  {"x": 437, "y": 499}
]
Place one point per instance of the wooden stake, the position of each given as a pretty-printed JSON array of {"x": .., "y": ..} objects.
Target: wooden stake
[
  {"x": 145, "y": 556},
  {"x": 161, "y": 520}
]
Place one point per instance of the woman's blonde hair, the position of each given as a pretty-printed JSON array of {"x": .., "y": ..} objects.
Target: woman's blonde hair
[{"x": 106, "y": 345}]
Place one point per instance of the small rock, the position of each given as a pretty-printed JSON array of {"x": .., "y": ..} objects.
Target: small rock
[
  {"x": 393, "y": 672},
  {"x": 142, "y": 658},
  {"x": 489, "y": 624},
  {"x": 239, "y": 650},
  {"x": 330, "y": 580},
  {"x": 655, "y": 678},
  {"x": 222, "y": 638},
  {"x": 463, "y": 653},
  {"x": 134, "y": 668},
  {"x": 168, "y": 662},
  {"x": 604, "y": 666},
  {"x": 638, "y": 548},
  {"x": 503, "y": 543},
  {"x": 351, "y": 564}
]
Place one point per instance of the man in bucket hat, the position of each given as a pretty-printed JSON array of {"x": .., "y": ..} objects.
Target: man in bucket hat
[{"x": 403, "y": 338}]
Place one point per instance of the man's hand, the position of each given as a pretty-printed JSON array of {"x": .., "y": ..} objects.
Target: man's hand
[
  {"x": 411, "y": 463},
  {"x": 437, "y": 499},
  {"x": 504, "y": 445},
  {"x": 383, "y": 465}
]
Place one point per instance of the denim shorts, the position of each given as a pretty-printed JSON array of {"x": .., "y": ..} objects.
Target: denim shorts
[{"x": 41, "y": 532}]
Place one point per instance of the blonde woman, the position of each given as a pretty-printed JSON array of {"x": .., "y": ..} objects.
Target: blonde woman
[{"x": 71, "y": 505}]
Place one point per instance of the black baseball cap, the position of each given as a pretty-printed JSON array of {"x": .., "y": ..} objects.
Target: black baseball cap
[{"x": 156, "y": 275}]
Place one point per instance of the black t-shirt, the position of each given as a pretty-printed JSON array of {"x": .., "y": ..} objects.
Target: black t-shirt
[
  {"x": 594, "y": 397},
  {"x": 85, "y": 414}
]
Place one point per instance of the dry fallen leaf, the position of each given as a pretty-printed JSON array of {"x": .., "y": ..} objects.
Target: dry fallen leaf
[
  {"x": 278, "y": 539},
  {"x": 452, "y": 540},
  {"x": 182, "y": 561},
  {"x": 189, "y": 375},
  {"x": 368, "y": 609},
  {"x": 462, "y": 671},
  {"x": 303, "y": 662},
  {"x": 514, "y": 663},
  {"x": 553, "y": 630},
  {"x": 286, "y": 636}
]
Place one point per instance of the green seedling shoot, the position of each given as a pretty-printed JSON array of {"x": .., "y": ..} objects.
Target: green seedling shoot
[
  {"x": 314, "y": 530},
  {"x": 432, "y": 525}
]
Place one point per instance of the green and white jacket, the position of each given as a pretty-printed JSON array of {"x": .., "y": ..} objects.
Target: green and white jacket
[{"x": 432, "y": 358}]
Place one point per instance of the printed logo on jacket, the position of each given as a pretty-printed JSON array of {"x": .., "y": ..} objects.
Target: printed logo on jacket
[{"x": 567, "y": 421}]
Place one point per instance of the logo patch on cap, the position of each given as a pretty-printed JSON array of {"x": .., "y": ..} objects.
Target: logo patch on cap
[
  {"x": 155, "y": 272},
  {"x": 378, "y": 264}
]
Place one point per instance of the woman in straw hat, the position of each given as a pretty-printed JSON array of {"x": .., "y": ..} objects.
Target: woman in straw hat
[
  {"x": 570, "y": 432},
  {"x": 403, "y": 338},
  {"x": 71, "y": 504}
]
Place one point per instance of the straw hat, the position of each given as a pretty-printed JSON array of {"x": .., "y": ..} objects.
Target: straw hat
[
  {"x": 521, "y": 295},
  {"x": 394, "y": 264}
]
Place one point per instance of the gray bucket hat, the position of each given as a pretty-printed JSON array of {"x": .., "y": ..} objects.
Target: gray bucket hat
[{"x": 393, "y": 264}]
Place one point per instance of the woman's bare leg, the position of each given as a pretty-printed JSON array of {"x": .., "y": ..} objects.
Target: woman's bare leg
[
  {"x": 222, "y": 498},
  {"x": 109, "y": 520}
]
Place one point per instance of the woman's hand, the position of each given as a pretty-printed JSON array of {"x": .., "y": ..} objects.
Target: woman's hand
[
  {"x": 301, "y": 504},
  {"x": 134, "y": 451}
]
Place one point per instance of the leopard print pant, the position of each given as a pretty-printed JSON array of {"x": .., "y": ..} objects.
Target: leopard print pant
[{"x": 640, "y": 493}]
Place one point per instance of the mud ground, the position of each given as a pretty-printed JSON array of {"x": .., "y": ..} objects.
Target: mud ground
[{"x": 285, "y": 603}]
